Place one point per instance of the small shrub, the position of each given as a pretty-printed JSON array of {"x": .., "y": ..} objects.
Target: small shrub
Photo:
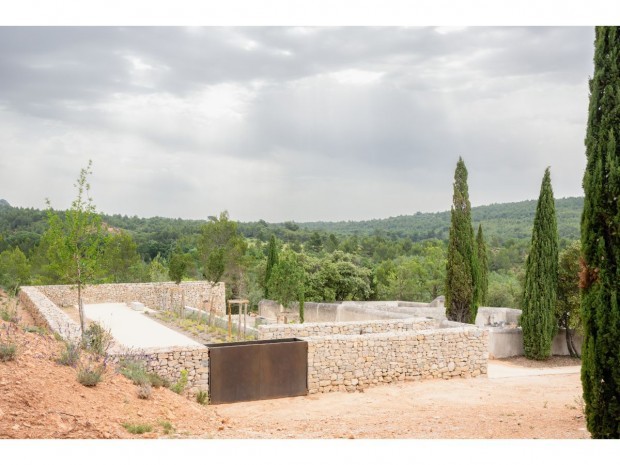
[
  {"x": 9, "y": 315},
  {"x": 144, "y": 391},
  {"x": 90, "y": 375},
  {"x": 70, "y": 355},
  {"x": 167, "y": 427},
  {"x": 34, "y": 329},
  {"x": 202, "y": 397},
  {"x": 138, "y": 428},
  {"x": 8, "y": 351},
  {"x": 97, "y": 339},
  {"x": 180, "y": 385},
  {"x": 135, "y": 370},
  {"x": 158, "y": 381}
]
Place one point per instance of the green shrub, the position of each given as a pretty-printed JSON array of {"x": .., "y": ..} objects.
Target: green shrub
[
  {"x": 158, "y": 381},
  {"x": 90, "y": 375},
  {"x": 97, "y": 339},
  {"x": 202, "y": 397},
  {"x": 8, "y": 351},
  {"x": 135, "y": 370},
  {"x": 180, "y": 385},
  {"x": 70, "y": 355},
  {"x": 34, "y": 329},
  {"x": 8, "y": 315},
  {"x": 137, "y": 428},
  {"x": 167, "y": 427}
]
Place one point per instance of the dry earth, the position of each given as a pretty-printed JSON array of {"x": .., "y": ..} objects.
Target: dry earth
[{"x": 41, "y": 399}]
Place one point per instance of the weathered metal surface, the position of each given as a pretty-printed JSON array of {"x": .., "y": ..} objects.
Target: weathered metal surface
[{"x": 255, "y": 370}]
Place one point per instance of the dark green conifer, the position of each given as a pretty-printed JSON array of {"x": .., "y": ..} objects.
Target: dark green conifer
[
  {"x": 541, "y": 278},
  {"x": 272, "y": 260},
  {"x": 483, "y": 268},
  {"x": 461, "y": 266},
  {"x": 600, "y": 242}
]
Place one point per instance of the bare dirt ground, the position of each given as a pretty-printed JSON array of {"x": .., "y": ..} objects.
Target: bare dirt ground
[{"x": 41, "y": 399}]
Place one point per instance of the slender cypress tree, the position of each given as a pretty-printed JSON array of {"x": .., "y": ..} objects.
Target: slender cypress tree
[
  {"x": 541, "y": 278},
  {"x": 600, "y": 242},
  {"x": 461, "y": 266},
  {"x": 483, "y": 268},
  {"x": 272, "y": 260}
]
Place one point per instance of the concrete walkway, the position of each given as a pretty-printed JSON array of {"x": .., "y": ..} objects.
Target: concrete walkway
[
  {"x": 499, "y": 369},
  {"x": 133, "y": 329}
]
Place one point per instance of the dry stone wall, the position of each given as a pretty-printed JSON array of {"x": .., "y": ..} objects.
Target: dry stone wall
[
  {"x": 350, "y": 363},
  {"x": 46, "y": 313},
  {"x": 284, "y": 331},
  {"x": 171, "y": 361},
  {"x": 153, "y": 295}
]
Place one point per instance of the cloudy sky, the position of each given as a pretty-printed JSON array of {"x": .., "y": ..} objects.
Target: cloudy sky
[{"x": 290, "y": 123}]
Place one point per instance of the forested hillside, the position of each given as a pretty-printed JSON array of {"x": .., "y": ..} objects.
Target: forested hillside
[{"x": 395, "y": 258}]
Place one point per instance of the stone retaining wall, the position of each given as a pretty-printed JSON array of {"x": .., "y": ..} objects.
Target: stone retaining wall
[
  {"x": 153, "y": 295},
  {"x": 350, "y": 363},
  {"x": 169, "y": 362},
  {"x": 284, "y": 331},
  {"x": 46, "y": 313}
]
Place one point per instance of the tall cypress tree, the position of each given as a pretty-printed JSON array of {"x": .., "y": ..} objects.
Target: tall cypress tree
[
  {"x": 483, "y": 267},
  {"x": 600, "y": 242},
  {"x": 461, "y": 266},
  {"x": 272, "y": 260},
  {"x": 541, "y": 278}
]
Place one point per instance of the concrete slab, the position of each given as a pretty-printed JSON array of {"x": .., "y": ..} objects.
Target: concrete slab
[{"x": 133, "y": 329}]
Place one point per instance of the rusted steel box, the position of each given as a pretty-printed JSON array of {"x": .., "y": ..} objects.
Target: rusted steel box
[{"x": 255, "y": 370}]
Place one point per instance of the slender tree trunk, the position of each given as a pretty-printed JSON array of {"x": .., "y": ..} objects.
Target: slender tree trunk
[{"x": 81, "y": 309}]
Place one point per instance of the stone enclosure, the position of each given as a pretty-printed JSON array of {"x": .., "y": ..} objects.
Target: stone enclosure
[{"x": 382, "y": 342}]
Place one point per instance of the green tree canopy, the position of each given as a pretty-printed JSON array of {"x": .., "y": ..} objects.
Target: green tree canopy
[
  {"x": 483, "y": 267},
  {"x": 75, "y": 240},
  {"x": 541, "y": 278},
  {"x": 14, "y": 270},
  {"x": 567, "y": 311},
  {"x": 287, "y": 281},
  {"x": 600, "y": 242},
  {"x": 272, "y": 261}
]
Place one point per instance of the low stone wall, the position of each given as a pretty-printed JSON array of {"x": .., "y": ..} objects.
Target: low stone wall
[
  {"x": 508, "y": 342},
  {"x": 350, "y": 363},
  {"x": 285, "y": 331},
  {"x": 153, "y": 295},
  {"x": 169, "y": 362},
  {"x": 46, "y": 313}
]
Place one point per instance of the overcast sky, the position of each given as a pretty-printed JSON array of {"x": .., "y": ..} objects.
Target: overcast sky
[{"x": 290, "y": 123}]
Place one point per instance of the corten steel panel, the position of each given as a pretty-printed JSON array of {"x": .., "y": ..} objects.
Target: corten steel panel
[{"x": 257, "y": 370}]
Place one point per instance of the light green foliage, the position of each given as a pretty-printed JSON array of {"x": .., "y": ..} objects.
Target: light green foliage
[
  {"x": 96, "y": 339},
  {"x": 336, "y": 277},
  {"x": 8, "y": 351},
  {"x": 541, "y": 278},
  {"x": 75, "y": 240},
  {"x": 600, "y": 242},
  {"x": 221, "y": 249},
  {"x": 461, "y": 268},
  {"x": 567, "y": 311},
  {"x": 178, "y": 265},
  {"x": 287, "y": 282},
  {"x": 158, "y": 270},
  {"x": 70, "y": 355},
  {"x": 505, "y": 290},
  {"x": 90, "y": 374},
  {"x": 483, "y": 267},
  {"x": 202, "y": 397},
  {"x": 120, "y": 262},
  {"x": 14, "y": 270},
  {"x": 419, "y": 278},
  {"x": 181, "y": 384}
]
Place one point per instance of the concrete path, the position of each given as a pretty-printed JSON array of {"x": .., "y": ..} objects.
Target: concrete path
[
  {"x": 498, "y": 369},
  {"x": 133, "y": 329}
]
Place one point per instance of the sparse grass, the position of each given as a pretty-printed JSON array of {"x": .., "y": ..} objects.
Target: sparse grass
[
  {"x": 180, "y": 385},
  {"x": 138, "y": 428},
  {"x": 70, "y": 355},
  {"x": 158, "y": 381},
  {"x": 8, "y": 351},
  {"x": 91, "y": 374},
  {"x": 202, "y": 397},
  {"x": 35, "y": 329},
  {"x": 167, "y": 427},
  {"x": 9, "y": 315}
]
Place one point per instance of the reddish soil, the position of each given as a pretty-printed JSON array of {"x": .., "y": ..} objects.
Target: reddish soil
[{"x": 41, "y": 399}]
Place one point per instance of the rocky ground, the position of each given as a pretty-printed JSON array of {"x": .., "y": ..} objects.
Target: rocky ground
[{"x": 41, "y": 399}]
